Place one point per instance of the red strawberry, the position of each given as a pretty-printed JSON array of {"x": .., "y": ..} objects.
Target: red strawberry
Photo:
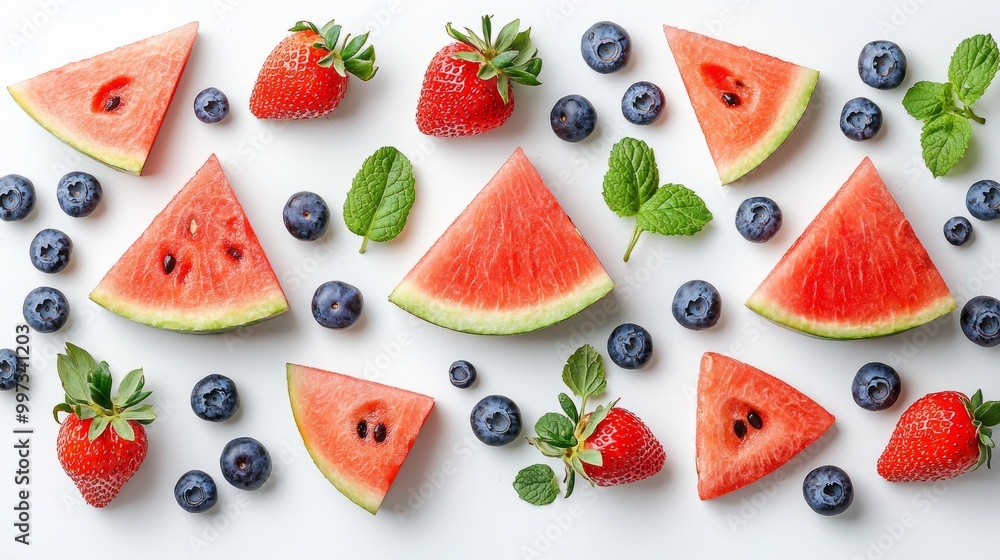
[
  {"x": 100, "y": 460},
  {"x": 467, "y": 86},
  {"x": 941, "y": 435},
  {"x": 629, "y": 450},
  {"x": 306, "y": 75}
]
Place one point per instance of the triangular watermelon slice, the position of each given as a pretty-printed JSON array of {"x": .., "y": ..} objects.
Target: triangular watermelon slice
[
  {"x": 746, "y": 102},
  {"x": 198, "y": 267},
  {"x": 857, "y": 271},
  {"x": 749, "y": 423},
  {"x": 111, "y": 106},
  {"x": 512, "y": 262},
  {"x": 358, "y": 432}
]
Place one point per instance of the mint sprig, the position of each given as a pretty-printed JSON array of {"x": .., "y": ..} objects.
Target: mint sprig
[
  {"x": 946, "y": 108},
  {"x": 380, "y": 197},
  {"x": 564, "y": 436},
  {"x": 631, "y": 188}
]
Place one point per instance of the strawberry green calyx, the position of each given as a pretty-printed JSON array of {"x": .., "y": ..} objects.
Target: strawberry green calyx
[
  {"x": 511, "y": 58},
  {"x": 88, "y": 394},
  {"x": 348, "y": 58},
  {"x": 984, "y": 416}
]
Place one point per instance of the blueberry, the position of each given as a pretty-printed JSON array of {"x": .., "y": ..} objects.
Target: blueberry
[
  {"x": 983, "y": 200},
  {"x": 17, "y": 198},
  {"x": 496, "y": 420},
  {"x": 882, "y": 65},
  {"x": 606, "y": 47},
  {"x": 642, "y": 103},
  {"x": 462, "y": 374},
  {"x": 573, "y": 118},
  {"x": 876, "y": 386},
  {"x": 958, "y": 230},
  {"x": 337, "y": 305},
  {"x": 861, "y": 119},
  {"x": 630, "y": 346},
  {"x": 10, "y": 369},
  {"x": 828, "y": 490},
  {"x": 79, "y": 193},
  {"x": 697, "y": 305},
  {"x": 50, "y": 250},
  {"x": 980, "y": 320},
  {"x": 196, "y": 492},
  {"x": 211, "y": 105},
  {"x": 45, "y": 309},
  {"x": 758, "y": 219},
  {"x": 245, "y": 463},
  {"x": 215, "y": 398},
  {"x": 306, "y": 216}
]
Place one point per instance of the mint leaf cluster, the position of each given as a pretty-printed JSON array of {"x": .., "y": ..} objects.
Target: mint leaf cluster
[
  {"x": 946, "y": 109},
  {"x": 564, "y": 436},
  {"x": 380, "y": 197},
  {"x": 631, "y": 188}
]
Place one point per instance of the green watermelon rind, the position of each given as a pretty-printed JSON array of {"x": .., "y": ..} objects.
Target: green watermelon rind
[
  {"x": 121, "y": 161},
  {"x": 795, "y": 107},
  {"x": 500, "y": 322},
  {"x": 837, "y": 331},
  {"x": 201, "y": 321}
]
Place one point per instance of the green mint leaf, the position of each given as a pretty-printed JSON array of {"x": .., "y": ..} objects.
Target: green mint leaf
[
  {"x": 569, "y": 407},
  {"x": 926, "y": 99},
  {"x": 537, "y": 484},
  {"x": 673, "y": 210},
  {"x": 973, "y": 66},
  {"x": 632, "y": 177},
  {"x": 547, "y": 449},
  {"x": 944, "y": 140},
  {"x": 380, "y": 197},
  {"x": 556, "y": 430},
  {"x": 591, "y": 457},
  {"x": 74, "y": 367},
  {"x": 584, "y": 372}
]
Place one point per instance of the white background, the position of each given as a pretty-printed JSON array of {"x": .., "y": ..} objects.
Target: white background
[{"x": 453, "y": 497}]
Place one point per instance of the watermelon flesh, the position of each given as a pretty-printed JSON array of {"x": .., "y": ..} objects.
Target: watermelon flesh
[
  {"x": 728, "y": 392},
  {"x": 198, "y": 267},
  {"x": 857, "y": 271},
  {"x": 512, "y": 262},
  {"x": 111, "y": 106},
  {"x": 329, "y": 410},
  {"x": 746, "y": 102}
]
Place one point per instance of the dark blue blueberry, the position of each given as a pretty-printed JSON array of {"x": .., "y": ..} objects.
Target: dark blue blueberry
[
  {"x": 758, "y": 219},
  {"x": 10, "y": 369},
  {"x": 876, "y": 386},
  {"x": 337, "y": 305},
  {"x": 462, "y": 374},
  {"x": 642, "y": 103},
  {"x": 306, "y": 216},
  {"x": 697, "y": 305},
  {"x": 630, "y": 346},
  {"x": 245, "y": 463},
  {"x": 983, "y": 200},
  {"x": 882, "y": 65},
  {"x": 828, "y": 490},
  {"x": 496, "y": 420},
  {"x": 861, "y": 119},
  {"x": 958, "y": 230},
  {"x": 45, "y": 309},
  {"x": 17, "y": 198},
  {"x": 211, "y": 105},
  {"x": 196, "y": 492},
  {"x": 50, "y": 250},
  {"x": 79, "y": 193},
  {"x": 606, "y": 47},
  {"x": 215, "y": 398},
  {"x": 981, "y": 320},
  {"x": 573, "y": 118}
]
